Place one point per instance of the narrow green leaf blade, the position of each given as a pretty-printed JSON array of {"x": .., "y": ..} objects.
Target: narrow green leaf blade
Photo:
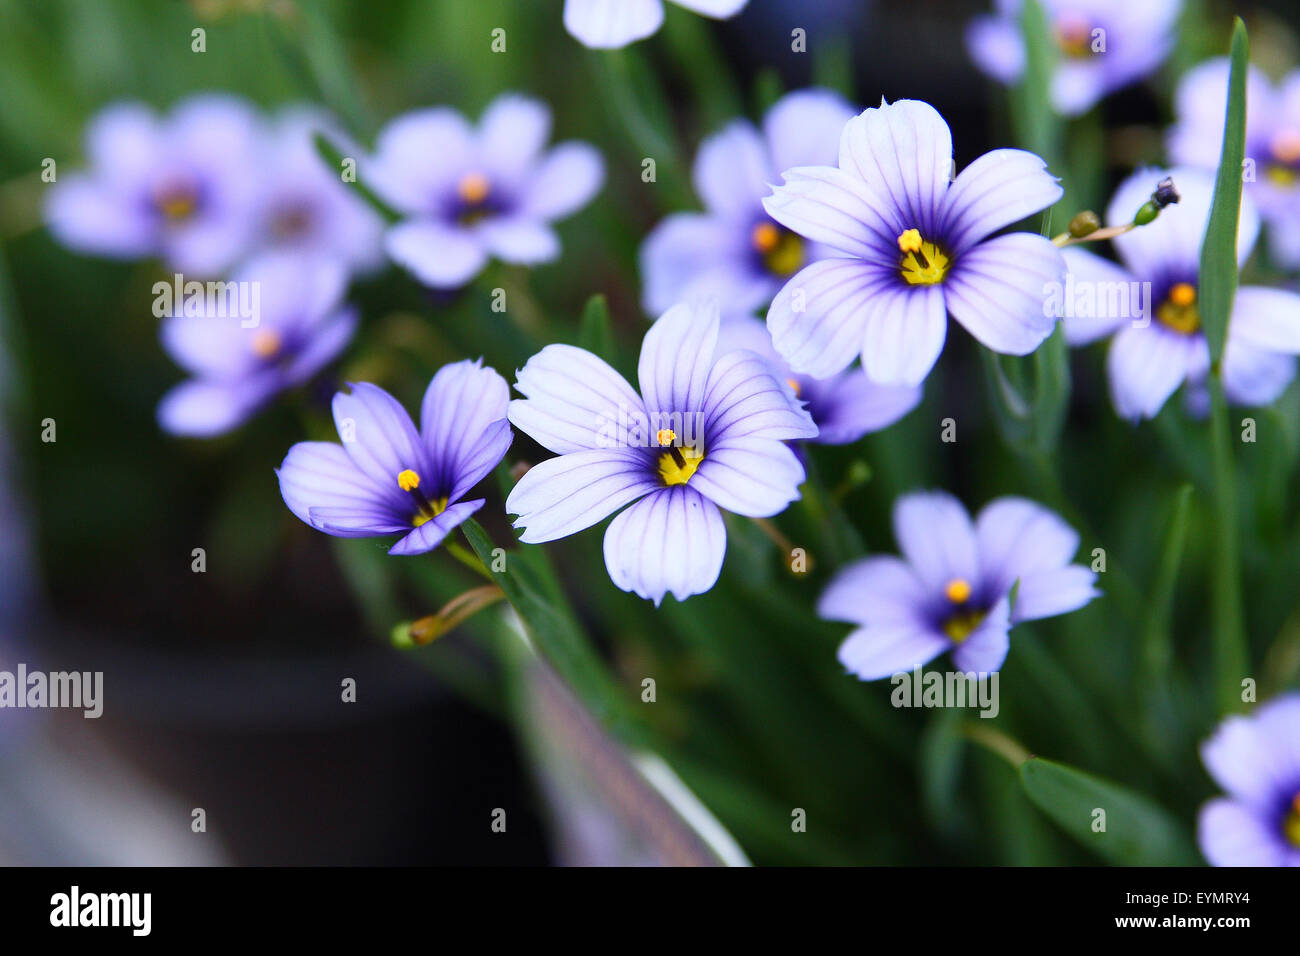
[
  {"x": 334, "y": 158},
  {"x": 1137, "y": 831},
  {"x": 595, "y": 332},
  {"x": 1218, "y": 271}
]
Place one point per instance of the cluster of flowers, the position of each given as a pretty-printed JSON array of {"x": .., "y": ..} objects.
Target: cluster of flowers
[
  {"x": 215, "y": 190},
  {"x": 865, "y": 251}
]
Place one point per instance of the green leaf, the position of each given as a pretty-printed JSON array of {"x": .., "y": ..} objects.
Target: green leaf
[
  {"x": 1216, "y": 290},
  {"x": 1218, "y": 273},
  {"x": 1158, "y": 643},
  {"x": 595, "y": 333},
  {"x": 1137, "y": 831},
  {"x": 334, "y": 158}
]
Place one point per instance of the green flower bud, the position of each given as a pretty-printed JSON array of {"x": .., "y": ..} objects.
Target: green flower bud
[{"x": 1146, "y": 214}]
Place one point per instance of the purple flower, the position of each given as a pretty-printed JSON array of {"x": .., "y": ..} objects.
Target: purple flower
[
  {"x": 1272, "y": 174},
  {"x": 1102, "y": 45},
  {"x": 1256, "y": 760},
  {"x": 387, "y": 478},
  {"x": 184, "y": 188},
  {"x": 733, "y": 253},
  {"x": 274, "y": 325},
  {"x": 844, "y": 407},
  {"x": 470, "y": 193},
  {"x": 951, "y": 591},
  {"x": 607, "y": 24},
  {"x": 706, "y": 432},
  {"x": 915, "y": 248},
  {"x": 305, "y": 206},
  {"x": 1150, "y": 304}
]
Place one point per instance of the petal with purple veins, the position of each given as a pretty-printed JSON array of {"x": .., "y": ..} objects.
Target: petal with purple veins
[
  {"x": 754, "y": 477},
  {"x": 564, "y": 495},
  {"x": 818, "y": 320},
  {"x": 672, "y": 541},
  {"x": 320, "y": 475},
  {"x": 999, "y": 291},
  {"x": 998, "y": 189},
  {"x": 902, "y": 150},
  {"x": 676, "y": 358},
  {"x": 574, "y": 401},
  {"x": 431, "y": 534},
  {"x": 743, "y": 399},
  {"x": 378, "y": 435}
]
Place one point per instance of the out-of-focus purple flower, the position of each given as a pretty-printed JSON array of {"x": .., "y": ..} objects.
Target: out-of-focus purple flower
[
  {"x": 184, "y": 187},
  {"x": 951, "y": 590},
  {"x": 608, "y": 24},
  {"x": 388, "y": 478},
  {"x": 274, "y": 325},
  {"x": 733, "y": 253},
  {"x": 844, "y": 407},
  {"x": 1256, "y": 760},
  {"x": 705, "y": 433},
  {"x": 305, "y": 206},
  {"x": 1102, "y": 45},
  {"x": 470, "y": 193},
  {"x": 1272, "y": 174},
  {"x": 1150, "y": 304},
  {"x": 916, "y": 248}
]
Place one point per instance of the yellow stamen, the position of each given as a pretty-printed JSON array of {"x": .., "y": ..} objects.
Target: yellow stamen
[
  {"x": 794, "y": 384},
  {"x": 780, "y": 249},
  {"x": 962, "y": 625},
  {"x": 473, "y": 188},
  {"x": 1178, "y": 312},
  {"x": 1184, "y": 294},
  {"x": 436, "y": 507},
  {"x": 408, "y": 480},
  {"x": 665, "y": 437},
  {"x": 923, "y": 262},
  {"x": 266, "y": 343},
  {"x": 177, "y": 204},
  {"x": 765, "y": 237},
  {"x": 958, "y": 591},
  {"x": 677, "y": 465},
  {"x": 1285, "y": 146}
]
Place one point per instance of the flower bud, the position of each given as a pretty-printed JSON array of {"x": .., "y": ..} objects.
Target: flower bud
[
  {"x": 1084, "y": 224},
  {"x": 1165, "y": 193},
  {"x": 1147, "y": 213}
]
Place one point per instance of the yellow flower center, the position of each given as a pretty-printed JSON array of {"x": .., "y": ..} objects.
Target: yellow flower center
[
  {"x": 780, "y": 249},
  {"x": 1178, "y": 312},
  {"x": 177, "y": 203},
  {"x": 1072, "y": 35},
  {"x": 473, "y": 188},
  {"x": 1291, "y": 825},
  {"x": 266, "y": 343},
  {"x": 963, "y": 620},
  {"x": 676, "y": 465},
  {"x": 409, "y": 481},
  {"x": 922, "y": 262},
  {"x": 957, "y": 591}
]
